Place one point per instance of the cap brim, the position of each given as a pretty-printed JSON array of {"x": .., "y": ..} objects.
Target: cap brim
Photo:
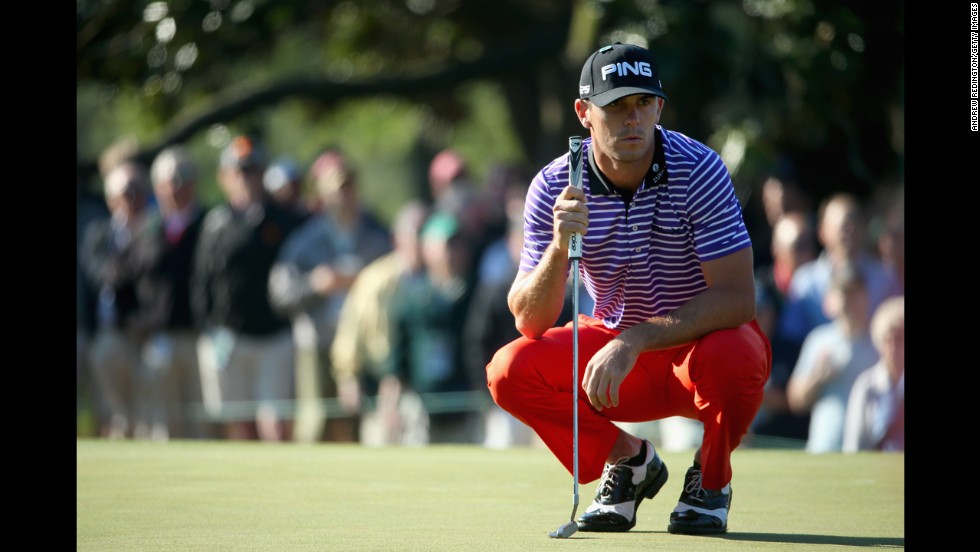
[{"x": 605, "y": 98}]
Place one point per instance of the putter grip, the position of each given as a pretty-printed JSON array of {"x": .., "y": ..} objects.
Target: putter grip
[{"x": 575, "y": 179}]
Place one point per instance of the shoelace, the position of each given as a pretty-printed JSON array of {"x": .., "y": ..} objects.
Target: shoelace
[
  {"x": 692, "y": 485},
  {"x": 611, "y": 476}
]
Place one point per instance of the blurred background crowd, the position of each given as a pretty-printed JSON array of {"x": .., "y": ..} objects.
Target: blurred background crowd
[{"x": 300, "y": 223}]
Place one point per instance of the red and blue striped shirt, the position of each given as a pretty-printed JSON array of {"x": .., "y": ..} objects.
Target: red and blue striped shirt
[{"x": 643, "y": 259}]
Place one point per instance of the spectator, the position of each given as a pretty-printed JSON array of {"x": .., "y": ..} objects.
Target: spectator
[
  {"x": 891, "y": 240},
  {"x": 172, "y": 349},
  {"x": 506, "y": 189},
  {"x": 842, "y": 231},
  {"x": 489, "y": 326},
  {"x": 110, "y": 263},
  {"x": 876, "y": 406},
  {"x": 793, "y": 243},
  {"x": 780, "y": 194},
  {"x": 246, "y": 356},
  {"x": 361, "y": 349},
  {"x": 453, "y": 192},
  {"x": 310, "y": 281},
  {"x": 427, "y": 321},
  {"x": 831, "y": 358},
  {"x": 447, "y": 170}
]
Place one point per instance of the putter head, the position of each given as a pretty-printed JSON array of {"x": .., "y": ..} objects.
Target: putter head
[{"x": 564, "y": 531}]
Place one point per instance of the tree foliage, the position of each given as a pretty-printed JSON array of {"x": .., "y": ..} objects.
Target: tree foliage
[{"x": 811, "y": 84}]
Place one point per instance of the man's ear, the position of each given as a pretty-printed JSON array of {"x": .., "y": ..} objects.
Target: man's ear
[{"x": 582, "y": 112}]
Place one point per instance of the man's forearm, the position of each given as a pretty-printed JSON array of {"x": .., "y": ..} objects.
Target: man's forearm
[
  {"x": 712, "y": 310},
  {"x": 536, "y": 298}
]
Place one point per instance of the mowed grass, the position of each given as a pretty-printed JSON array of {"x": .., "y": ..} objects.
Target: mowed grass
[{"x": 240, "y": 496}]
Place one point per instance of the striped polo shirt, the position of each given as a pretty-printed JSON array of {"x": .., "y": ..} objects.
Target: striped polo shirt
[{"x": 643, "y": 259}]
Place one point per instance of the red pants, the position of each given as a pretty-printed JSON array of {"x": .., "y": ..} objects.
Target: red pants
[{"x": 717, "y": 379}]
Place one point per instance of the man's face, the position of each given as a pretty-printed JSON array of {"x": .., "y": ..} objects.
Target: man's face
[
  {"x": 242, "y": 184},
  {"x": 623, "y": 129},
  {"x": 174, "y": 194},
  {"x": 124, "y": 194},
  {"x": 335, "y": 187}
]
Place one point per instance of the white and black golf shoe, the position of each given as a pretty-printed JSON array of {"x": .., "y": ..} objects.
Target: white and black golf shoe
[
  {"x": 700, "y": 511},
  {"x": 621, "y": 490}
]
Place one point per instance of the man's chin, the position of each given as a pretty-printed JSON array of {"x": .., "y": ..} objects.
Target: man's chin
[{"x": 632, "y": 149}]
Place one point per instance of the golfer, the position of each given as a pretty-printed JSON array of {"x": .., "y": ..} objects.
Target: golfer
[{"x": 668, "y": 261}]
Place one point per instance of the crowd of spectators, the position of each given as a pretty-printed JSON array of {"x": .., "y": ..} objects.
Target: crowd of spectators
[{"x": 290, "y": 311}]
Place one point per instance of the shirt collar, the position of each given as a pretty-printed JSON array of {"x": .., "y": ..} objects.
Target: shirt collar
[{"x": 656, "y": 175}]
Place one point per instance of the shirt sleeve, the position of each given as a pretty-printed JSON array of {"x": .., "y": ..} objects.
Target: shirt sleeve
[
  {"x": 716, "y": 214},
  {"x": 539, "y": 212}
]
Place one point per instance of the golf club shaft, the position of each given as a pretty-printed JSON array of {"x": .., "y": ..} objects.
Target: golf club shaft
[
  {"x": 575, "y": 253},
  {"x": 574, "y": 387}
]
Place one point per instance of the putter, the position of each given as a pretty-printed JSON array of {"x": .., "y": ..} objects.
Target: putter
[{"x": 574, "y": 253}]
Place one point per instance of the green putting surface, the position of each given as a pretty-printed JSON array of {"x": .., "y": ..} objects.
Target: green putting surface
[{"x": 239, "y": 496}]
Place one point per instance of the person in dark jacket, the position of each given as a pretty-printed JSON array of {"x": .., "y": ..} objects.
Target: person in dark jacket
[
  {"x": 115, "y": 267},
  {"x": 247, "y": 352},
  {"x": 171, "y": 350}
]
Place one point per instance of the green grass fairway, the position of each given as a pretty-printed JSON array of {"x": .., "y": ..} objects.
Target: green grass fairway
[{"x": 240, "y": 496}]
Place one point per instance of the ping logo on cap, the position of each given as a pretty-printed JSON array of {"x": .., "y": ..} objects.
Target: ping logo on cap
[
  {"x": 619, "y": 70},
  {"x": 624, "y": 68}
]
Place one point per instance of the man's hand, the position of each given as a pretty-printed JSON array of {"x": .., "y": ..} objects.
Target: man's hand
[
  {"x": 571, "y": 216},
  {"x": 324, "y": 280},
  {"x": 606, "y": 371}
]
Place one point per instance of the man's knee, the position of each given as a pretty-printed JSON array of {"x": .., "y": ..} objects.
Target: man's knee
[
  {"x": 507, "y": 370},
  {"x": 735, "y": 357}
]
